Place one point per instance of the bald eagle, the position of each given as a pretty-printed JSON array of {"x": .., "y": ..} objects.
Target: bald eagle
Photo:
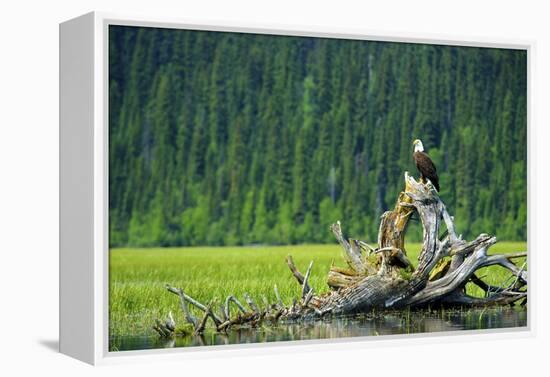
[{"x": 424, "y": 164}]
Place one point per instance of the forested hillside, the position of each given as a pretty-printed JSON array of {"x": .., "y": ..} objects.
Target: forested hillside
[{"x": 227, "y": 138}]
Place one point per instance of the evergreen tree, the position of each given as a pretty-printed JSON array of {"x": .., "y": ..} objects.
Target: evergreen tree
[{"x": 224, "y": 138}]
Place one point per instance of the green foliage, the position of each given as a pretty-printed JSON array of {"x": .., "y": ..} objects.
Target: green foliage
[{"x": 231, "y": 139}]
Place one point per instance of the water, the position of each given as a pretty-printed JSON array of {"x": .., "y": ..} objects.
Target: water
[{"x": 382, "y": 323}]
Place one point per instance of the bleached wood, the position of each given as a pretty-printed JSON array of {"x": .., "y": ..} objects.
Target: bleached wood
[{"x": 383, "y": 277}]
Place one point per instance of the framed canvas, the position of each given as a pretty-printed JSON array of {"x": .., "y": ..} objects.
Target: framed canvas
[{"x": 229, "y": 188}]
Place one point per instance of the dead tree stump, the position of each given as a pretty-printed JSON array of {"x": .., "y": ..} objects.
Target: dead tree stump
[{"x": 383, "y": 277}]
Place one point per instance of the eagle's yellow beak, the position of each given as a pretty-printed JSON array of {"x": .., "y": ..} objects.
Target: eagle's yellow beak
[{"x": 416, "y": 142}]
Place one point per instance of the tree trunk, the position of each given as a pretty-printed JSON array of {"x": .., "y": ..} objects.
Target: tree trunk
[{"x": 383, "y": 277}]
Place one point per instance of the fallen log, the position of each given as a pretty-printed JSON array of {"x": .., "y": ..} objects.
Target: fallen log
[{"x": 383, "y": 277}]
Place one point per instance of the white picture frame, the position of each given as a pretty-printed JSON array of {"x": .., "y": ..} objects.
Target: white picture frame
[{"x": 84, "y": 188}]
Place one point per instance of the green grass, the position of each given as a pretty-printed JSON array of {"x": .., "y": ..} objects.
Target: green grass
[{"x": 137, "y": 276}]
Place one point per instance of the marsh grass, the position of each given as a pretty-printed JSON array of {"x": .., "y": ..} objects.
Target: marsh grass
[{"x": 137, "y": 277}]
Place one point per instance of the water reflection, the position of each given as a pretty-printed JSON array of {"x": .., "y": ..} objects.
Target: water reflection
[{"x": 384, "y": 323}]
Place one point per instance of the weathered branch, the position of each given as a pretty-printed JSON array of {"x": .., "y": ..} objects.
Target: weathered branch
[
  {"x": 352, "y": 251},
  {"x": 251, "y": 303},
  {"x": 192, "y": 301},
  {"x": 500, "y": 298},
  {"x": 511, "y": 256},
  {"x": 228, "y": 301},
  {"x": 297, "y": 274},
  {"x": 305, "y": 286},
  {"x": 488, "y": 289},
  {"x": 183, "y": 303},
  {"x": 202, "y": 324}
]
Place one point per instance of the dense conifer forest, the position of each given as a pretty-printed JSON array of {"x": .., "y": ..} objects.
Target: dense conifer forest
[{"x": 230, "y": 139}]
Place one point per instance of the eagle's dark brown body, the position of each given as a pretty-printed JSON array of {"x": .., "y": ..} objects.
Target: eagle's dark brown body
[{"x": 426, "y": 168}]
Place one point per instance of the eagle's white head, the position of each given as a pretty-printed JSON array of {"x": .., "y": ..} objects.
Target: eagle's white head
[{"x": 418, "y": 147}]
